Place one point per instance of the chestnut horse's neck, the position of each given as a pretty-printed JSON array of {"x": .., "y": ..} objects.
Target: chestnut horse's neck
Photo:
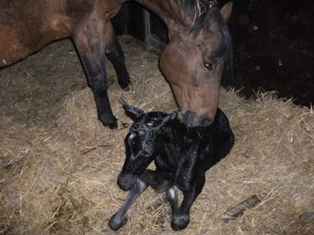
[{"x": 177, "y": 13}]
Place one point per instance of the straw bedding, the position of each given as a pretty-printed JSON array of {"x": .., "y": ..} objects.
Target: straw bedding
[{"x": 59, "y": 165}]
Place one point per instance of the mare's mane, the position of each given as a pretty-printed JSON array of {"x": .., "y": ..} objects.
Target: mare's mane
[{"x": 198, "y": 9}]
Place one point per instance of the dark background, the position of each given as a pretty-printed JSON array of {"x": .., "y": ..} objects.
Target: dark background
[{"x": 273, "y": 43}]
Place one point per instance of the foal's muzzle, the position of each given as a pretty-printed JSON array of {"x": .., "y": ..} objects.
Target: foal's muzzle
[{"x": 126, "y": 181}]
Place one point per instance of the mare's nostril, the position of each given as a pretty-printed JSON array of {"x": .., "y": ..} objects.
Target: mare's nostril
[
  {"x": 190, "y": 119},
  {"x": 206, "y": 122},
  {"x": 187, "y": 118}
]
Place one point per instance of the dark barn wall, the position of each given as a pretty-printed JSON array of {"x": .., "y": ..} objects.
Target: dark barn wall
[
  {"x": 130, "y": 20},
  {"x": 273, "y": 48},
  {"x": 273, "y": 45}
]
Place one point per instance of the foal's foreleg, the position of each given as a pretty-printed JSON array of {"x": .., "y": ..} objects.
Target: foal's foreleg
[
  {"x": 119, "y": 218},
  {"x": 181, "y": 215},
  {"x": 147, "y": 178},
  {"x": 116, "y": 56},
  {"x": 172, "y": 198}
]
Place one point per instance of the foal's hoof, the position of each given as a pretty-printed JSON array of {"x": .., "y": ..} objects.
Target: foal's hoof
[
  {"x": 180, "y": 222},
  {"x": 116, "y": 222}
]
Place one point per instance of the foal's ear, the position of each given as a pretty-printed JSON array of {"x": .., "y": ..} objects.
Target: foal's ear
[
  {"x": 170, "y": 117},
  {"x": 131, "y": 111},
  {"x": 166, "y": 119}
]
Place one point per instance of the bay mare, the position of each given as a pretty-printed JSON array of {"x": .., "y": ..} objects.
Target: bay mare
[{"x": 192, "y": 62}]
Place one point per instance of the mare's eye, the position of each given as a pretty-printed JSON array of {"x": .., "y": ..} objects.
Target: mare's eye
[{"x": 209, "y": 66}]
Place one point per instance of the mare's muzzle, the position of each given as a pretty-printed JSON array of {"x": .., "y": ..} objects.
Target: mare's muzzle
[{"x": 191, "y": 119}]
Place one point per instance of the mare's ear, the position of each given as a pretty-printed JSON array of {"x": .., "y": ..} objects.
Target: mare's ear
[
  {"x": 212, "y": 16},
  {"x": 131, "y": 111},
  {"x": 225, "y": 11},
  {"x": 210, "y": 21}
]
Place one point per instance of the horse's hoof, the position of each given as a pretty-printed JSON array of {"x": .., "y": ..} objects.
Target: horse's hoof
[
  {"x": 112, "y": 124},
  {"x": 127, "y": 88},
  {"x": 125, "y": 84},
  {"x": 116, "y": 222},
  {"x": 180, "y": 222},
  {"x": 124, "y": 125}
]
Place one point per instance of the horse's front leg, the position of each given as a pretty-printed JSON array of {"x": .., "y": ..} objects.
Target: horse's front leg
[
  {"x": 147, "y": 178},
  {"x": 89, "y": 40},
  {"x": 116, "y": 56},
  {"x": 181, "y": 215},
  {"x": 119, "y": 218},
  {"x": 172, "y": 197}
]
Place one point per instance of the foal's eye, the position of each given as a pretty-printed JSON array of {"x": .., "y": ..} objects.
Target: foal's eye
[{"x": 209, "y": 66}]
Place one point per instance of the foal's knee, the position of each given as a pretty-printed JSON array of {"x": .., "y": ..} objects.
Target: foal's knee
[{"x": 180, "y": 221}]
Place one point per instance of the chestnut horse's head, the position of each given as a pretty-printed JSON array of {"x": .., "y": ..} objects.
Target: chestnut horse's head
[{"x": 193, "y": 62}]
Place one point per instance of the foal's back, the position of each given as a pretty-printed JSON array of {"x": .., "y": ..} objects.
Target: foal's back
[{"x": 194, "y": 148}]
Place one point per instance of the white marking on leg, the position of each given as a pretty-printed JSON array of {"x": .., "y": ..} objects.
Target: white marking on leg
[{"x": 172, "y": 193}]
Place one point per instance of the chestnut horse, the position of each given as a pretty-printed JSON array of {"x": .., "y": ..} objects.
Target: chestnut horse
[{"x": 192, "y": 62}]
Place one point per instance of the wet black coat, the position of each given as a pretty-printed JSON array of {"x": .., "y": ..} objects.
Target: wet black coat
[{"x": 182, "y": 155}]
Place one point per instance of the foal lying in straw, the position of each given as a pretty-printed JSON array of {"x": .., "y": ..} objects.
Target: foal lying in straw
[{"x": 182, "y": 156}]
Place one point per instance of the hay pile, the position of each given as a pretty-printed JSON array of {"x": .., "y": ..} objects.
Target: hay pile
[{"x": 58, "y": 164}]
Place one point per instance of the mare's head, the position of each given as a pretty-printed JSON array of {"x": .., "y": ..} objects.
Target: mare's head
[
  {"x": 140, "y": 143},
  {"x": 193, "y": 61}
]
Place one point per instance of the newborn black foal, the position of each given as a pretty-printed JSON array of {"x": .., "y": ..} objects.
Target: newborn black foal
[{"x": 182, "y": 155}]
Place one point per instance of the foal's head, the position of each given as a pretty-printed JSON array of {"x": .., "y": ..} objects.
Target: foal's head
[
  {"x": 193, "y": 61},
  {"x": 141, "y": 143}
]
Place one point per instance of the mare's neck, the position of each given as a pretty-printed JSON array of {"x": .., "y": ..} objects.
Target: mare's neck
[{"x": 171, "y": 12}]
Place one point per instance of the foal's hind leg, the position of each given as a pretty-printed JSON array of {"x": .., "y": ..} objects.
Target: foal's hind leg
[
  {"x": 89, "y": 40},
  {"x": 115, "y": 55}
]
